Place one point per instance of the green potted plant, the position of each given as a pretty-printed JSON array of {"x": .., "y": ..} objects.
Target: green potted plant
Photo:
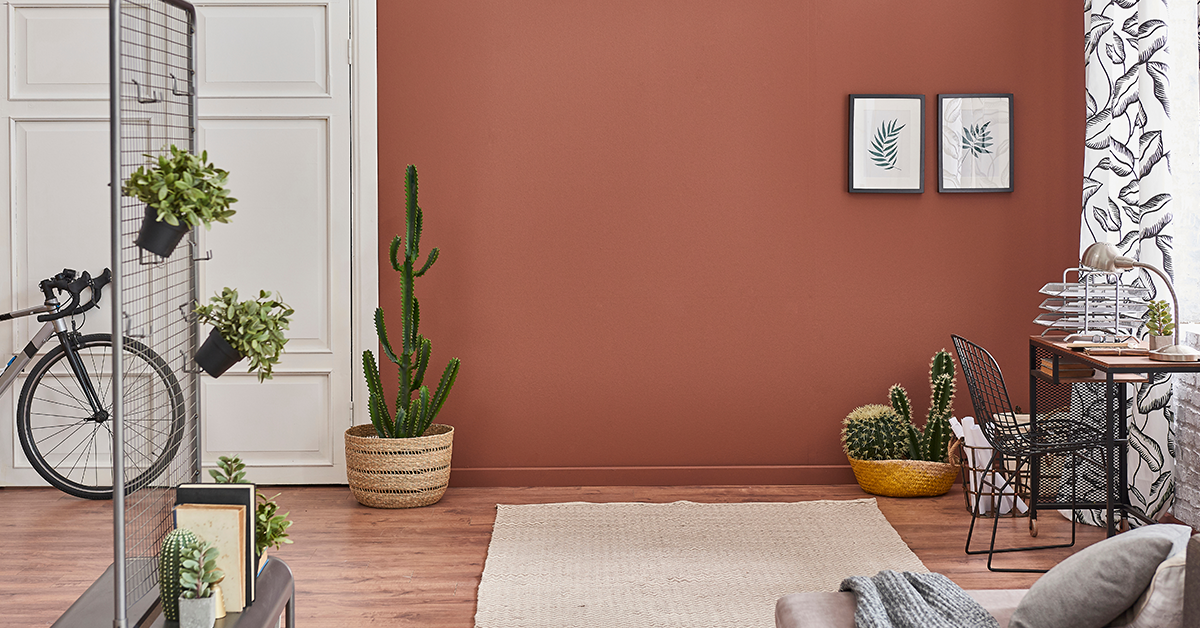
[
  {"x": 890, "y": 455},
  {"x": 181, "y": 191},
  {"x": 270, "y": 527},
  {"x": 170, "y": 563},
  {"x": 252, "y": 328},
  {"x": 402, "y": 459},
  {"x": 198, "y": 572},
  {"x": 1160, "y": 325}
]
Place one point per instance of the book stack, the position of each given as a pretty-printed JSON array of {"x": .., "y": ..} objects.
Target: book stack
[
  {"x": 223, "y": 515},
  {"x": 1067, "y": 370}
]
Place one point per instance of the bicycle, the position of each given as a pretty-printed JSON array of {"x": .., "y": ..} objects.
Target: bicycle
[{"x": 65, "y": 409}]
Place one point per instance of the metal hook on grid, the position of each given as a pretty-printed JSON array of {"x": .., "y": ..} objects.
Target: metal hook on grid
[
  {"x": 187, "y": 361},
  {"x": 189, "y": 316},
  {"x": 156, "y": 260},
  {"x": 207, "y": 256},
  {"x": 175, "y": 87},
  {"x": 129, "y": 327},
  {"x": 145, "y": 100}
]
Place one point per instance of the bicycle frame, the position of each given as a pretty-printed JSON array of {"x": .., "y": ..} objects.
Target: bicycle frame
[{"x": 22, "y": 358}]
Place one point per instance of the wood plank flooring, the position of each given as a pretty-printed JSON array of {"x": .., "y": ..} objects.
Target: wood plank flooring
[{"x": 358, "y": 566}]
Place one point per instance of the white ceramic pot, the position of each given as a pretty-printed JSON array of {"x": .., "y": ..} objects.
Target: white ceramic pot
[{"x": 198, "y": 612}]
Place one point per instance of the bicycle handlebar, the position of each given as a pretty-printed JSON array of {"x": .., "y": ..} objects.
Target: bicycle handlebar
[{"x": 66, "y": 281}]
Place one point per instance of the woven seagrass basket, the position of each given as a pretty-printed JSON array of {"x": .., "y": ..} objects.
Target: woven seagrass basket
[
  {"x": 398, "y": 472},
  {"x": 904, "y": 478}
]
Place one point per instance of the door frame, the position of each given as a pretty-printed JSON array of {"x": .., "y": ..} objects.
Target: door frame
[{"x": 364, "y": 198}]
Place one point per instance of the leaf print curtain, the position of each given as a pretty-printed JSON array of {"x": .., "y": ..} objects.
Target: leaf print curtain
[{"x": 1127, "y": 201}]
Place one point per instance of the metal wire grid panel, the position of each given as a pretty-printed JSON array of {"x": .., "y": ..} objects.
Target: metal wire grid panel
[{"x": 160, "y": 397}]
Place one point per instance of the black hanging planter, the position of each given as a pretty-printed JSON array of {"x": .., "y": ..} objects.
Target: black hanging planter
[
  {"x": 216, "y": 355},
  {"x": 158, "y": 237}
]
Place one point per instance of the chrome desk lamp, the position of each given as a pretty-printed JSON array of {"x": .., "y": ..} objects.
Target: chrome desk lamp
[{"x": 1105, "y": 257}]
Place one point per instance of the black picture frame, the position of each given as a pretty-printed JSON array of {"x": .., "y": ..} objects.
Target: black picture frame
[
  {"x": 975, "y": 143},
  {"x": 886, "y": 144}
]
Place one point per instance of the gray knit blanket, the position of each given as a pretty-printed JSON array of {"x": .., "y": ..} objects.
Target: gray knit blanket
[{"x": 904, "y": 599}]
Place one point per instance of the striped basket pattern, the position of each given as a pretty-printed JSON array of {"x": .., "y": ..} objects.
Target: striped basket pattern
[
  {"x": 904, "y": 478},
  {"x": 398, "y": 472}
]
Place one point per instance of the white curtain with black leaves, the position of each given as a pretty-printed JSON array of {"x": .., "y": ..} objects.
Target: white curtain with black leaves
[{"x": 1127, "y": 191}]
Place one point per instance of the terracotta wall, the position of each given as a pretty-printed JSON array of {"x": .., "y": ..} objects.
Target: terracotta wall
[{"x": 651, "y": 268}]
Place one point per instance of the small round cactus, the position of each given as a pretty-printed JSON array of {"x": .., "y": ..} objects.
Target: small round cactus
[
  {"x": 170, "y": 562},
  {"x": 874, "y": 432}
]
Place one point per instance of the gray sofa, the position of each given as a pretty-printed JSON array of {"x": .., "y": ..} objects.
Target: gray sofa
[{"x": 836, "y": 609}]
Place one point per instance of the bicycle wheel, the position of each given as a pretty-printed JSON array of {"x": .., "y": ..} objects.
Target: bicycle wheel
[{"x": 70, "y": 445}]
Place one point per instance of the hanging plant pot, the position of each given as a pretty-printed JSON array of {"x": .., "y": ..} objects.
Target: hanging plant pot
[
  {"x": 216, "y": 355},
  {"x": 159, "y": 237}
]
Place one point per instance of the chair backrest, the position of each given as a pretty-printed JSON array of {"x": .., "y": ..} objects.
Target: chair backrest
[{"x": 989, "y": 396}]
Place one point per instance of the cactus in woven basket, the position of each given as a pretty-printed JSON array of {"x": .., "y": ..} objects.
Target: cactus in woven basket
[
  {"x": 931, "y": 442},
  {"x": 873, "y": 432},
  {"x": 170, "y": 564},
  {"x": 413, "y": 414}
]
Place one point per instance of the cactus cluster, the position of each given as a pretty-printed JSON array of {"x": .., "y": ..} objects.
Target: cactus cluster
[
  {"x": 873, "y": 432},
  {"x": 413, "y": 415},
  {"x": 170, "y": 564},
  {"x": 878, "y": 432},
  {"x": 931, "y": 442}
]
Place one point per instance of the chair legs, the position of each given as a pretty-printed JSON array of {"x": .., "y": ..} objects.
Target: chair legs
[{"x": 991, "y": 551}]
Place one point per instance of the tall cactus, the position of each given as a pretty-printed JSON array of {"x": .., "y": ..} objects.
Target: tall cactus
[
  {"x": 170, "y": 562},
  {"x": 931, "y": 442},
  {"x": 413, "y": 414}
]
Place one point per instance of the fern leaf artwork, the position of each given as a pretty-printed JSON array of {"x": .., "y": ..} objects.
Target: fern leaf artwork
[
  {"x": 885, "y": 145},
  {"x": 977, "y": 139}
]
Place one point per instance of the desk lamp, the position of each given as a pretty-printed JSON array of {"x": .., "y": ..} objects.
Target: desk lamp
[{"x": 1105, "y": 257}]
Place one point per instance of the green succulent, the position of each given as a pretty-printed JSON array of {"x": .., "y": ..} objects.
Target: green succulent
[
  {"x": 270, "y": 528},
  {"x": 230, "y": 470},
  {"x": 253, "y": 327},
  {"x": 1159, "y": 321},
  {"x": 183, "y": 189},
  {"x": 415, "y": 406},
  {"x": 198, "y": 570}
]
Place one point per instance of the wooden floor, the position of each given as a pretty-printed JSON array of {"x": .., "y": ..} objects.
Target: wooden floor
[{"x": 356, "y": 566}]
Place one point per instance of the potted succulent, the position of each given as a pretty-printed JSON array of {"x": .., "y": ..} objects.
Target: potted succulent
[
  {"x": 243, "y": 329},
  {"x": 198, "y": 572},
  {"x": 181, "y": 191},
  {"x": 270, "y": 527},
  {"x": 402, "y": 459},
  {"x": 890, "y": 455},
  {"x": 1160, "y": 325}
]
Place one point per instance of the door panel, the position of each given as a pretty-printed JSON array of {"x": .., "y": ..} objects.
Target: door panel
[{"x": 274, "y": 105}]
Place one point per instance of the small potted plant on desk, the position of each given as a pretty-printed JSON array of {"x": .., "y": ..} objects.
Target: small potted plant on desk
[
  {"x": 270, "y": 527},
  {"x": 1160, "y": 325},
  {"x": 198, "y": 571},
  {"x": 243, "y": 329},
  {"x": 180, "y": 191},
  {"x": 892, "y": 457}
]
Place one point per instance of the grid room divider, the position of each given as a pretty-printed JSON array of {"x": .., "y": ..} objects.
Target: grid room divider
[{"x": 152, "y": 107}]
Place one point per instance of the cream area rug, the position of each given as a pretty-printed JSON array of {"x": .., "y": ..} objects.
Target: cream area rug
[{"x": 683, "y": 564}]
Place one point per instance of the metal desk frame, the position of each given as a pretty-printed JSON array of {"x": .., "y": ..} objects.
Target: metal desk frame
[{"x": 1117, "y": 371}]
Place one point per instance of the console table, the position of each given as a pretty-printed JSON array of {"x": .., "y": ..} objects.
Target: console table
[
  {"x": 1051, "y": 392},
  {"x": 275, "y": 595}
]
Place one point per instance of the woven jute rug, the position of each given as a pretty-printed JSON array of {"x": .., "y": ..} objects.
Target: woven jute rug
[{"x": 635, "y": 565}]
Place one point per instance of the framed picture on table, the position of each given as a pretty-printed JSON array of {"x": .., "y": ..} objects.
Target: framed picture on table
[
  {"x": 975, "y": 143},
  {"x": 887, "y": 143}
]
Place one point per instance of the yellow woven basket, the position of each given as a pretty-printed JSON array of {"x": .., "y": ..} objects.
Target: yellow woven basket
[
  {"x": 904, "y": 478},
  {"x": 398, "y": 472}
]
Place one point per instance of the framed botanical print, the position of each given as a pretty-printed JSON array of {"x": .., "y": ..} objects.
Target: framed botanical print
[
  {"x": 975, "y": 143},
  {"x": 887, "y": 143}
]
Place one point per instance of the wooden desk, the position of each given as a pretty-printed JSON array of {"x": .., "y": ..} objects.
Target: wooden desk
[
  {"x": 1112, "y": 371},
  {"x": 275, "y": 595}
]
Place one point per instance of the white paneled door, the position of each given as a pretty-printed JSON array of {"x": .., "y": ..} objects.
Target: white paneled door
[{"x": 274, "y": 87}]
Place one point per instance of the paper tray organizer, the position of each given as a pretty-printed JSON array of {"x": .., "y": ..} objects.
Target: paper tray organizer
[{"x": 1098, "y": 303}]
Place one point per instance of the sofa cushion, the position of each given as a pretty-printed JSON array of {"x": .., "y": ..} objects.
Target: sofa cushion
[
  {"x": 1161, "y": 605},
  {"x": 1094, "y": 586}
]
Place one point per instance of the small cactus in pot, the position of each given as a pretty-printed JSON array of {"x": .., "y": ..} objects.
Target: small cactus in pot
[
  {"x": 873, "y": 432},
  {"x": 170, "y": 564}
]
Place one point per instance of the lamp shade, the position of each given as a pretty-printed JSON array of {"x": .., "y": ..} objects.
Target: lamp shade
[{"x": 1104, "y": 256}]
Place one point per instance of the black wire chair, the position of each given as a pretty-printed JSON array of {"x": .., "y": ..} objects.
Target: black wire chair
[{"x": 1023, "y": 443}]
